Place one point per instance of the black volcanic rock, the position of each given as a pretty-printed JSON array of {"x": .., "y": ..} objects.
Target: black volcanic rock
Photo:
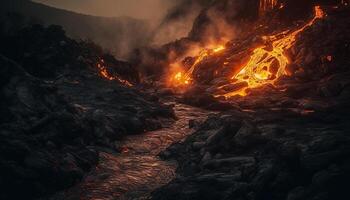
[
  {"x": 57, "y": 110},
  {"x": 46, "y": 52},
  {"x": 288, "y": 141},
  {"x": 272, "y": 158},
  {"x": 34, "y": 135}
]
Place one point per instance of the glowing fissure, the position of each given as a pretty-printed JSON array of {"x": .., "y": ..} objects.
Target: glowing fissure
[
  {"x": 181, "y": 78},
  {"x": 105, "y": 74},
  {"x": 266, "y": 66}
]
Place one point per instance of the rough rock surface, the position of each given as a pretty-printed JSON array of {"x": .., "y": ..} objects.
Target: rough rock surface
[
  {"x": 267, "y": 154},
  {"x": 288, "y": 141},
  {"x": 56, "y": 112}
]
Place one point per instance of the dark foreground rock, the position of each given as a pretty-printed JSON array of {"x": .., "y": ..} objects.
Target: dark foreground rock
[
  {"x": 264, "y": 155},
  {"x": 57, "y": 110}
]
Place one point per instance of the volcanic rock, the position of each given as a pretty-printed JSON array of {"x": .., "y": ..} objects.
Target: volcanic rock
[
  {"x": 57, "y": 110},
  {"x": 285, "y": 141}
]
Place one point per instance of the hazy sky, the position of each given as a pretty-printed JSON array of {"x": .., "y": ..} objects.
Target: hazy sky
[{"x": 144, "y": 9}]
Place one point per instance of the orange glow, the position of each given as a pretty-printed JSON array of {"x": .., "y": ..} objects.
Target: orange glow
[
  {"x": 104, "y": 73},
  {"x": 180, "y": 78},
  {"x": 218, "y": 49},
  {"x": 266, "y": 5},
  {"x": 266, "y": 66}
]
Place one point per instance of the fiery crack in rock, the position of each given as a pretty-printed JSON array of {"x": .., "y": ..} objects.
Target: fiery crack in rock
[
  {"x": 105, "y": 74},
  {"x": 185, "y": 78}
]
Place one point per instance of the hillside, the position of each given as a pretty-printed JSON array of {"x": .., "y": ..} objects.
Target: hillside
[{"x": 111, "y": 33}]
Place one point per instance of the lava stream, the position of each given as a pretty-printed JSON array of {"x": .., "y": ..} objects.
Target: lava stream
[
  {"x": 181, "y": 78},
  {"x": 105, "y": 74},
  {"x": 262, "y": 68}
]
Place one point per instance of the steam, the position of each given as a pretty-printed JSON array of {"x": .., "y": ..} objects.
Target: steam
[
  {"x": 178, "y": 22},
  {"x": 137, "y": 23},
  {"x": 217, "y": 30},
  {"x": 150, "y": 10},
  {"x": 160, "y": 22}
]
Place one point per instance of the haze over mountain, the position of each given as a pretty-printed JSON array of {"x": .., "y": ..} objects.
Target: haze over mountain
[
  {"x": 156, "y": 9},
  {"x": 110, "y": 32},
  {"x": 120, "y": 35},
  {"x": 119, "y": 26},
  {"x": 169, "y": 20}
]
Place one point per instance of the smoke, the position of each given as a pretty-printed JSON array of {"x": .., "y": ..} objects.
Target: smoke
[
  {"x": 221, "y": 21},
  {"x": 169, "y": 19},
  {"x": 133, "y": 23},
  {"x": 203, "y": 22},
  {"x": 151, "y": 10},
  {"x": 215, "y": 23},
  {"x": 178, "y": 21}
]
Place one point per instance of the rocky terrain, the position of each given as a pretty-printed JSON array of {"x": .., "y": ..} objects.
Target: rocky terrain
[
  {"x": 284, "y": 141},
  {"x": 58, "y": 111},
  {"x": 78, "y": 124}
]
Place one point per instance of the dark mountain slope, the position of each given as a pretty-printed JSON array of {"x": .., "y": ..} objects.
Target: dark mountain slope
[{"x": 119, "y": 35}]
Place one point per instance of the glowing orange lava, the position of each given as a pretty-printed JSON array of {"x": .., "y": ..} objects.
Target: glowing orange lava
[
  {"x": 219, "y": 48},
  {"x": 266, "y": 66},
  {"x": 104, "y": 73},
  {"x": 180, "y": 78}
]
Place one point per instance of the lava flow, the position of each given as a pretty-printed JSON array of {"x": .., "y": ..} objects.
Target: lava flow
[
  {"x": 262, "y": 68},
  {"x": 105, "y": 74},
  {"x": 181, "y": 78}
]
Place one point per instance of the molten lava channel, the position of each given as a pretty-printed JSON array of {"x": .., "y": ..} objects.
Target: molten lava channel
[
  {"x": 105, "y": 74},
  {"x": 185, "y": 78},
  {"x": 261, "y": 68},
  {"x": 264, "y": 67}
]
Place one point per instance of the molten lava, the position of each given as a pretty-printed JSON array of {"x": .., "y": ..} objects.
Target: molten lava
[
  {"x": 180, "y": 78},
  {"x": 266, "y": 66},
  {"x": 105, "y": 74}
]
